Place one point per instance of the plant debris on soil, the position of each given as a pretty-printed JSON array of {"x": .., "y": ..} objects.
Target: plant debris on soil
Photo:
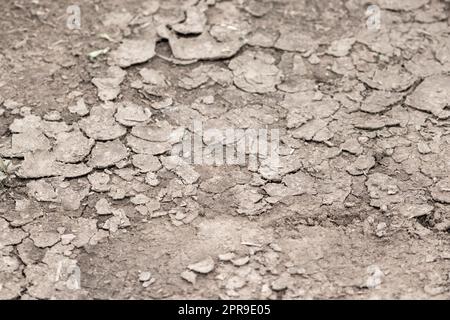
[{"x": 98, "y": 202}]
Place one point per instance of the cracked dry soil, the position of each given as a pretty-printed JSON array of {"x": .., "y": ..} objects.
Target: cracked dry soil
[{"x": 95, "y": 206}]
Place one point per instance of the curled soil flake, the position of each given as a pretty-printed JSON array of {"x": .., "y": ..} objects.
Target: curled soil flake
[
  {"x": 106, "y": 154},
  {"x": 132, "y": 52},
  {"x": 255, "y": 72},
  {"x": 205, "y": 266},
  {"x": 108, "y": 88},
  {"x": 433, "y": 96}
]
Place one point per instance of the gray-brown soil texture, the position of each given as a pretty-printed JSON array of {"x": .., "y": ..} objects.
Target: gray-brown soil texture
[{"x": 98, "y": 198}]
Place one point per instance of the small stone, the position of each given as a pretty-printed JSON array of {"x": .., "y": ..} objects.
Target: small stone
[
  {"x": 281, "y": 283},
  {"x": 145, "y": 276}
]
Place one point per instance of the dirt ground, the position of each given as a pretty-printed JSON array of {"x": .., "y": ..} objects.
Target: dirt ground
[{"x": 97, "y": 204}]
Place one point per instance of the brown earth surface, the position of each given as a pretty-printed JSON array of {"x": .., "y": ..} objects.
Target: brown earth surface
[{"x": 95, "y": 203}]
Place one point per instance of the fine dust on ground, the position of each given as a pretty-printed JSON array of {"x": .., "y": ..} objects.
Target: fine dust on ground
[{"x": 96, "y": 204}]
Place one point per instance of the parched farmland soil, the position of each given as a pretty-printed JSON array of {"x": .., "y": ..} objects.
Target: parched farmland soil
[{"x": 99, "y": 199}]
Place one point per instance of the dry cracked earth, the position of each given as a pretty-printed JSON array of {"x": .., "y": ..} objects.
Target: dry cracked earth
[{"x": 97, "y": 204}]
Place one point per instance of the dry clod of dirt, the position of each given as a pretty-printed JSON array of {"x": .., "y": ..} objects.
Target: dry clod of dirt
[
  {"x": 407, "y": 5},
  {"x": 145, "y": 276},
  {"x": 100, "y": 124},
  {"x": 433, "y": 96},
  {"x": 132, "y": 52},
  {"x": 255, "y": 72},
  {"x": 203, "y": 47},
  {"x": 375, "y": 277},
  {"x": 99, "y": 181},
  {"x": 380, "y": 101},
  {"x": 194, "y": 23},
  {"x": 72, "y": 147},
  {"x": 106, "y": 154},
  {"x": 293, "y": 39},
  {"x": 108, "y": 88},
  {"x": 10, "y": 236},
  {"x": 142, "y": 146},
  {"x": 239, "y": 262},
  {"x": 189, "y": 276},
  {"x": 204, "y": 266},
  {"x": 441, "y": 191},
  {"x": 79, "y": 108},
  {"x": 130, "y": 114},
  {"x": 341, "y": 47}
]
